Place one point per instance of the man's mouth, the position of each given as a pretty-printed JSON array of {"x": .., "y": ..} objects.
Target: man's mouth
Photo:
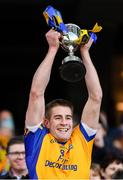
[{"x": 63, "y": 129}]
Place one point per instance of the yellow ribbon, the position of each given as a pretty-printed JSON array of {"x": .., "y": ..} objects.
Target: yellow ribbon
[
  {"x": 84, "y": 35},
  {"x": 96, "y": 28}
]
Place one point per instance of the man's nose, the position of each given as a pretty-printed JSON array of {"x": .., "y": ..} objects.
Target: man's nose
[{"x": 63, "y": 121}]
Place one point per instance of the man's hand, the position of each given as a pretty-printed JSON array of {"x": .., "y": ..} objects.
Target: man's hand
[
  {"x": 52, "y": 37},
  {"x": 87, "y": 46}
]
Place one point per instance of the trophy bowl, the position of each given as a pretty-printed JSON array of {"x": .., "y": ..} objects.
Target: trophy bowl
[
  {"x": 68, "y": 41},
  {"x": 72, "y": 68}
]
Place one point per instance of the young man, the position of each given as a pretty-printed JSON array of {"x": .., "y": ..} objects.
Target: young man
[
  {"x": 56, "y": 150},
  {"x": 16, "y": 157}
]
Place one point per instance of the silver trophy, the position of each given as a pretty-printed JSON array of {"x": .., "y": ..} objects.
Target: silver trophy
[{"x": 72, "y": 68}]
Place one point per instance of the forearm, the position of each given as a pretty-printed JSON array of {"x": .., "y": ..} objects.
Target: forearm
[
  {"x": 42, "y": 75},
  {"x": 36, "y": 106},
  {"x": 91, "y": 77},
  {"x": 90, "y": 114}
]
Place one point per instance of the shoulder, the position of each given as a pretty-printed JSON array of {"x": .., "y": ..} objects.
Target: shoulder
[{"x": 85, "y": 131}]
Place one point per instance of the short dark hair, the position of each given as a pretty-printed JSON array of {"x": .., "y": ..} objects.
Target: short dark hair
[
  {"x": 57, "y": 102},
  {"x": 13, "y": 141},
  {"x": 110, "y": 158}
]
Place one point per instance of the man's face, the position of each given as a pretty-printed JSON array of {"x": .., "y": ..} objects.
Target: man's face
[
  {"x": 16, "y": 157},
  {"x": 61, "y": 123}
]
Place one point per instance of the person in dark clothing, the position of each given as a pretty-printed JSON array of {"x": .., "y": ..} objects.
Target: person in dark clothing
[{"x": 9, "y": 175}]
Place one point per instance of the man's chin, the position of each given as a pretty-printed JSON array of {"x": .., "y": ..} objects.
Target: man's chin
[{"x": 63, "y": 139}]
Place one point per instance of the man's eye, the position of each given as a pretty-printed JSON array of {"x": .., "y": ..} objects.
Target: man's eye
[
  {"x": 57, "y": 117},
  {"x": 69, "y": 118}
]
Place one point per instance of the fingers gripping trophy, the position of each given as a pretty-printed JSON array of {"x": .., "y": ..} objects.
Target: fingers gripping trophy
[{"x": 72, "y": 37}]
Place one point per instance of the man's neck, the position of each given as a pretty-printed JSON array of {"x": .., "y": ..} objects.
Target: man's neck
[{"x": 19, "y": 173}]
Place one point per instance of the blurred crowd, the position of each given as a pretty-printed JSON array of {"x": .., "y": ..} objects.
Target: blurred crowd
[
  {"x": 107, "y": 154},
  {"x": 12, "y": 149}
]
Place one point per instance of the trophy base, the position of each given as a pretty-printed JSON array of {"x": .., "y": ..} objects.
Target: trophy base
[{"x": 72, "y": 71}]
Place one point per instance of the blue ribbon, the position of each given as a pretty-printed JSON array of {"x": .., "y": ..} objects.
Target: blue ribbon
[
  {"x": 54, "y": 19},
  {"x": 93, "y": 36}
]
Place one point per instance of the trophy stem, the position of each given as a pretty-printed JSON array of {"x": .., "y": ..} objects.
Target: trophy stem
[{"x": 71, "y": 51}]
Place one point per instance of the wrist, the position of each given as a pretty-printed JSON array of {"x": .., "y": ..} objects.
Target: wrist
[
  {"x": 53, "y": 49},
  {"x": 84, "y": 51}
]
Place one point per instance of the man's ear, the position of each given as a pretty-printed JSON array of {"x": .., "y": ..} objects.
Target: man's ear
[{"x": 46, "y": 123}]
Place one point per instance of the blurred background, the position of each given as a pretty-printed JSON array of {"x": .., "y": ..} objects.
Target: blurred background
[{"x": 23, "y": 46}]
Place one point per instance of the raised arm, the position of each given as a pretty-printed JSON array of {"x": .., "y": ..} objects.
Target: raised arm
[
  {"x": 90, "y": 114},
  {"x": 36, "y": 106}
]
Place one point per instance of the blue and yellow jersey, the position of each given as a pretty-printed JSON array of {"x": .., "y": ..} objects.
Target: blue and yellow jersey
[{"x": 48, "y": 159}]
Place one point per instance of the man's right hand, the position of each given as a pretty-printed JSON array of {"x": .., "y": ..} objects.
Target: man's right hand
[{"x": 52, "y": 37}]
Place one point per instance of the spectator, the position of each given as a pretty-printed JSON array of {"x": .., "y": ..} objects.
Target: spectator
[
  {"x": 6, "y": 124},
  {"x": 110, "y": 164},
  {"x": 6, "y": 132},
  {"x": 95, "y": 173},
  {"x": 16, "y": 156}
]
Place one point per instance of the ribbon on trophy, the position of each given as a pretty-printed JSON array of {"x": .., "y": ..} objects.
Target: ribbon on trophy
[
  {"x": 54, "y": 19},
  {"x": 85, "y": 35}
]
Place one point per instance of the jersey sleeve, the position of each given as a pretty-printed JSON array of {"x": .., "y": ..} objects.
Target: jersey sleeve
[
  {"x": 33, "y": 128},
  {"x": 88, "y": 132},
  {"x": 33, "y": 142},
  {"x": 84, "y": 132},
  {"x": 33, "y": 138}
]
